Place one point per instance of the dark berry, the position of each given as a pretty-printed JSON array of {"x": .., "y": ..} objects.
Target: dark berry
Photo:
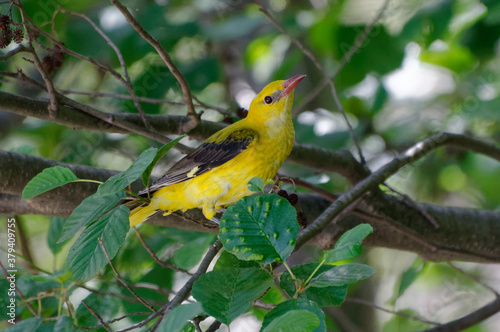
[
  {"x": 302, "y": 219},
  {"x": 293, "y": 199},
  {"x": 283, "y": 193}
]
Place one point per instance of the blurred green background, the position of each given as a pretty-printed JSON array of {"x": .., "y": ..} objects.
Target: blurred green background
[{"x": 426, "y": 67}]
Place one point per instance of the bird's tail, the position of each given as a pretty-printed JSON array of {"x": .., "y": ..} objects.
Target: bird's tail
[{"x": 143, "y": 212}]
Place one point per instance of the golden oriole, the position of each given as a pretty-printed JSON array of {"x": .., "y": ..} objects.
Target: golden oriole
[{"x": 216, "y": 174}]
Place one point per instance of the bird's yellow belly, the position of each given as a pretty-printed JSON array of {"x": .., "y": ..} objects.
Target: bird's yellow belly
[{"x": 218, "y": 187}]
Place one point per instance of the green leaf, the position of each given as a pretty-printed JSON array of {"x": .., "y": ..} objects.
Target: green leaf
[
  {"x": 256, "y": 184},
  {"x": 409, "y": 276},
  {"x": 89, "y": 210},
  {"x": 227, "y": 293},
  {"x": 296, "y": 304},
  {"x": 161, "y": 152},
  {"x": 48, "y": 179},
  {"x": 25, "y": 325},
  {"x": 178, "y": 318},
  {"x": 349, "y": 244},
  {"x": 119, "y": 181},
  {"x": 106, "y": 305},
  {"x": 226, "y": 259},
  {"x": 294, "y": 321},
  {"x": 54, "y": 233},
  {"x": 191, "y": 253},
  {"x": 260, "y": 227},
  {"x": 65, "y": 324},
  {"x": 342, "y": 275},
  {"x": 323, "y": 296},
  {"x": 401, "y": 323},
  {"x": 86, "y": 258}
]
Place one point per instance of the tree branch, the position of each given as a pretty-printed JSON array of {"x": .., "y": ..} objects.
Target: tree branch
[
  {"x": 329, "y": 81},
  {"x": 340, "y": 161},
  {"x": 371, "y": 182},
  {"x": 450, "y": 241},
  {"x": 128, "y": 82},
  {"x": 195, "y": 120},
  {"x": 469, "y": 320}
]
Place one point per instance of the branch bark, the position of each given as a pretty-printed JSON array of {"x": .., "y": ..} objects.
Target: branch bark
[
  {"x": 340, "y": 161},
  {"x": 451, "y": 240}
]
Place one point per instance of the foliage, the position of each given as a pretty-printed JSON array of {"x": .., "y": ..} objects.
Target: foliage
[{"x": 425, "y": 67}]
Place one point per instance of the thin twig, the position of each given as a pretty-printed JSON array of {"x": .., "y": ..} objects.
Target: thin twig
[
  {"x": 474, "y": 278},
  {"x": 103, "y": 323},
  {"x": 19, "y": 49},
  {"x": 115, "y": 320},
  {"x": 38, "y": 64},
  {"x": 263, "y": 305},
  {"x": 120, "y": 279},
  {"x": 21, "y": 296},
  {"x": 128, "y": 82},
  {"x": 105, "y": 117},
  {"x": 397, "y": 313},
  {"x": 184, "y": 292},
  {"x": 411, "y": 203},
  {"x": 195, "y": 120},
  {"x": 97, "y": 94},
  {"x": 345, "y": 60},
  {"x": 214, "y": 327},
  {"x": 117, "y": 295},
  {"x": 155, "y": 258},
  {"x": 410, "y": 156},
  {"x": 469, "y": 320},
  {"x": 325, "y": 74}
]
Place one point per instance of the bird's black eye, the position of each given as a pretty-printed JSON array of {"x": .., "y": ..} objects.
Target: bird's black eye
[{"x": 268, "y": 100}]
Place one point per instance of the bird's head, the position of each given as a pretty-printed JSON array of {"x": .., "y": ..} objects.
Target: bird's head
[{"x": 275, "y": 100}]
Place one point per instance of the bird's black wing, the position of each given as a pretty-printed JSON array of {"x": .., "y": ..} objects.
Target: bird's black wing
[{"x": 214, "y": 152}]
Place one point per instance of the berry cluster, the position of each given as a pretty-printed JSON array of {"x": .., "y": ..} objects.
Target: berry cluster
[
  {"x": 293, "y": 199},
  {"x": 7, "y": 34},
  {"x": 53, "y": 61}
]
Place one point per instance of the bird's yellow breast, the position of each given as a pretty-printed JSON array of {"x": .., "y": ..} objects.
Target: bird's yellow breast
[{"x": 227, "y": 183}]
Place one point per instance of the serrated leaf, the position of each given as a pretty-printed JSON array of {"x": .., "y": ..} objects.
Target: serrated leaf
[
  {"x": 349, "y": 244},
  {"x": 119, "y": 181},
  {"x": 86, "y": 258},
  {"x": 409, "y": 276},
  {"x": 324, "y": 296},
  {"x": 48, "y": 179},
  {"x": 88, "y": 211},
  {"x": 25, "y": 325},
  {"x": 294, "y": 321},
  {"x": 342, "y": 275},
  {"x": 106, "y": 305},
  {"x": 256, "y": 184},
  {"x": 65, "y": 324},
  {"x": 191, "y": 253},
  {"x": 226, "y": 259},
  {"x": 227, "y": 293},
  {"x": 178, "y": 318},
  {"x": 54, "y": 233},
  {"x": 161, "y": 152},
  {"x": 262, "y": 228},
  {"x": 296, "y": 304}
]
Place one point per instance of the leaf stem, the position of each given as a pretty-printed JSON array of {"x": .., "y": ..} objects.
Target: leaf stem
[
  {"x": 289, "y": 270},
  {"x": 88, "y": 180},
  {"x": 314, "y": 272},
  {"x": 293, "y": 278}
]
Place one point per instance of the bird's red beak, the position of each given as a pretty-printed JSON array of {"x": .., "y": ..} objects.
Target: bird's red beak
[{"x": 290, "y": 84}]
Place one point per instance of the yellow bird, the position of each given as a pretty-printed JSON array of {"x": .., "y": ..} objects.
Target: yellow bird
[{"x": 216, "y": 174}]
